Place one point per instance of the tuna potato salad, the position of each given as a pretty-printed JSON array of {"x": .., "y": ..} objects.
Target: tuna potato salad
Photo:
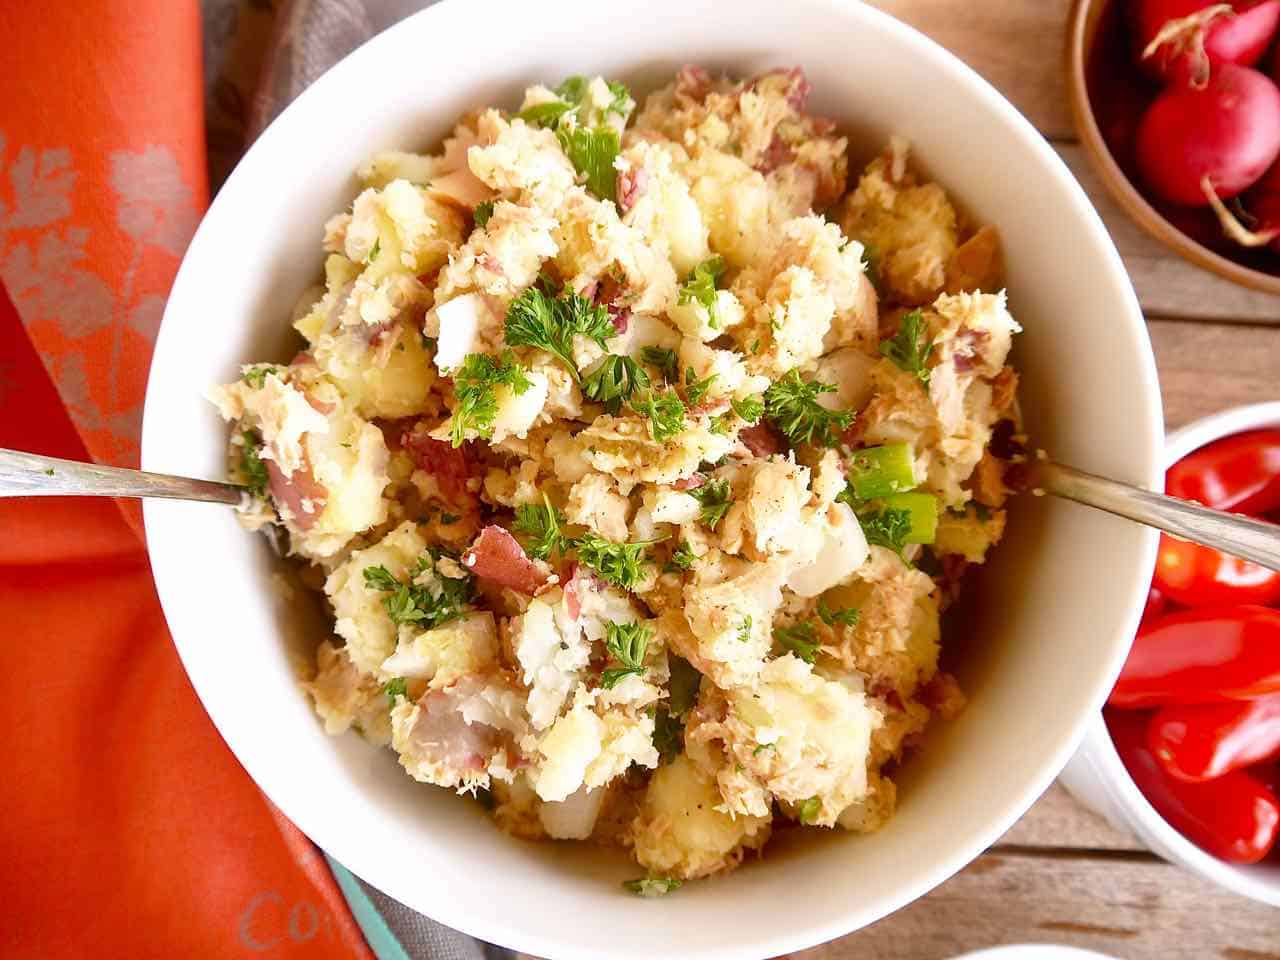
[{"x": 636, "y": 450}]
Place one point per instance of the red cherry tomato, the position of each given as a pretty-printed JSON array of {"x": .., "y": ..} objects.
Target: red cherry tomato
[
  {"x": 1197, "y": 576},
  {"x": 1235, "y": 817},
  {"x": 1200, "y": 743},
  {"x": 1156, "y": 604},
  {"x": 1240, "y": 473},
  {"x": 1202, "y": 655}
]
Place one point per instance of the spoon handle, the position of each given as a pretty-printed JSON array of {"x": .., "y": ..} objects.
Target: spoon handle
[
  {"x": 1231, "y": 533},
  {"x": 31, "y": 475}
]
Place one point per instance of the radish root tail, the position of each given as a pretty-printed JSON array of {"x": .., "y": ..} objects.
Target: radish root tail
[
  {"x": 1186, "y": 35},
  {"x": 1231, "y": 225}
]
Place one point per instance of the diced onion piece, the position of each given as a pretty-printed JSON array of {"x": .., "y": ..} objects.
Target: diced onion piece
[
  {"x": 574, "y": 817},
  {"x": 460, "y": 320}
]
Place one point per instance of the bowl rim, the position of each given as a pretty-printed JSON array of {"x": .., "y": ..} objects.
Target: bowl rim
[
  {"x": 798, "y": 937},
  {"x": 1120, "y": 186},
  {"x": 1099, "y": 752}
]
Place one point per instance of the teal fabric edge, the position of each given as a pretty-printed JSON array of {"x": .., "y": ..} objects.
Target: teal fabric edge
[{"x": 381, "y": 940}]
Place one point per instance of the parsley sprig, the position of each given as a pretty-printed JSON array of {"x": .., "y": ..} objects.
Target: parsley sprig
[
  {"x": 848, "y": 616},
  {"x": 544, "y": 526},
  {"x": 483, "y": 211},
  {"x": 587, "y": 140},
  {"x": 799, "y": 639},
  {"x": 887, "y": 527},
  {"x": 395, "y": 687},
  {"x": 613, "y": 380},
  {"x": 665, "y": 412},
  {"x": 681, "y": 558},
  {"x": 427, "y": 605},
  {"x": 256, "y": 375},
  {"x": 910, "y": 347},
  {"x": 662, "y": 358},
  {"x": 621, "y": 564},
  {"x": 652, "y": 886},
  {"x": 701, "y": 288},
  {"x": 716, "y": 497},
  {"x": 792, "y": 404},
  {"x": 537, "y": 319},
  {"x": 253, "y": 469},
  {"x": 750, "y": 409},
  {"x": 695, "y": 390},
  {"x": 475, "y": 385},
  {"x": 626, "y": 643}
]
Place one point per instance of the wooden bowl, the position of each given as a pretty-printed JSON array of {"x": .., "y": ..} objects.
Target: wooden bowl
[{"x": 1082, "y": 31}]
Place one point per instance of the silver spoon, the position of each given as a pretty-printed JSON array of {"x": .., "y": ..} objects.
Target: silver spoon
[{"x": 30, "y": 475}]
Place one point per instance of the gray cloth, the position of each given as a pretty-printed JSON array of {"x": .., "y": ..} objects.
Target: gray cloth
[{"x": 267, "y": 52}]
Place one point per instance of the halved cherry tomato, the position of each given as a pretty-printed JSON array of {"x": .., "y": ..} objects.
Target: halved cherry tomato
[
  {"x": 1197, "y": 576},
  {"x": 1239, "y": 473},
  {"x": 1235, "y": 817},
  {"x": 1199, "y": 743},
  {"x": 1202, "y": 655}
]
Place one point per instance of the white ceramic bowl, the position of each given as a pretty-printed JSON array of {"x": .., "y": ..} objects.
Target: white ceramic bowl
[
  {"x": 1051, "y": 615},
  {"x": 1096, "y": 775}
]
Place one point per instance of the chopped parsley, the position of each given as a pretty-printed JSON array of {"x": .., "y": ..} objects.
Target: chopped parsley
[
  {"x": 662, "y": 358},
  {"x": 48, "y": 471},
  {"x": 716, "y": 497},
  {"x": 592, "y": 152},
  {"x": 910, "y": 347},
  {"x": 588, "y": 141},
  {"x": 664, "y": 410},
  {"x": 887, "y": 527},
  {"x": 626, "y": 643},
  {"x": 792, "y": 404},
  {"x": 537, "y": 319},
  {"x": 750, "y": 409},
  {"x": 483, "y": 212},
  {"x": 848, "y": 616},
  {"x": 871, "y": 253},
  {"x": 613, "y": 380},
  {"x": 256, "y": 375},
  {"x": 254, "y": 470},
  {"x": 808, "y": 810},
  {"x": 744, "y": 631},
  {"x": 761, "y": 748},
  {"x": 395, "y": 688},
  {"x": 668, "y": 734},
  {"x": 719, "y": 425},
  {"x": 428, "y": 605},
  {"x": 701, "y": 288},
  {"x": 475, "y": 385},
  {"x": 542, "y": 525},
  {"x": 377, "y": 248},
  {"x": 681, "y": 558},
  {"x": 622, "y": 564},
  {"x": 799, "y": 639},
  {"x": 652, "y": 886},
  {"x": 694, "y": 389}
]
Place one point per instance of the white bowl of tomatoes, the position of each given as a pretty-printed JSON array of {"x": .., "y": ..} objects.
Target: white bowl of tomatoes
[{"x": 1186, "y": 753}]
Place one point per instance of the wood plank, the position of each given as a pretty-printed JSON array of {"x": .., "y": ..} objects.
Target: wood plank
[
  {"x": 1017, "y": 45},
  {"x": 1207, "y": 367},
  {"x": 1129, "y": 906},
  {"x": 1167, "y": 285},
  {"x": 1059, "y": 821}
]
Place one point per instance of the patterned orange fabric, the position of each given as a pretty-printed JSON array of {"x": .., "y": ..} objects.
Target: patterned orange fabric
[{"x": 128, "y": 829}]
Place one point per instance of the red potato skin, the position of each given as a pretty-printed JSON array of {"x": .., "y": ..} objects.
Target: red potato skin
[
  {"x": 1240, "y": 39},
  {"x": 289, "y": 492},
  {"x": 1195, "y": 744},
  {"x": 1235, "y": 817},
  {"x": 1228, "y": 133},
  {"x": 1205, "y": 655},
  {"x": 498, "y": 557}
]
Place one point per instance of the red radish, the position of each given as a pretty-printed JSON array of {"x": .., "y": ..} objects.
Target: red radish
[
  {"x": 1262, "y": 207},
  {"x": 1179, "y": 40},
  {"x": 1217, "y": 140}
]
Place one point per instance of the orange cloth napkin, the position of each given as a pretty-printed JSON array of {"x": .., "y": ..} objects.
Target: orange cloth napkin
[{"x": 128, "y": 829}]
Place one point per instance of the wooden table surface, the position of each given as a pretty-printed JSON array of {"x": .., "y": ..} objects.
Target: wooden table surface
[{"x": 1062, "y": 874}]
